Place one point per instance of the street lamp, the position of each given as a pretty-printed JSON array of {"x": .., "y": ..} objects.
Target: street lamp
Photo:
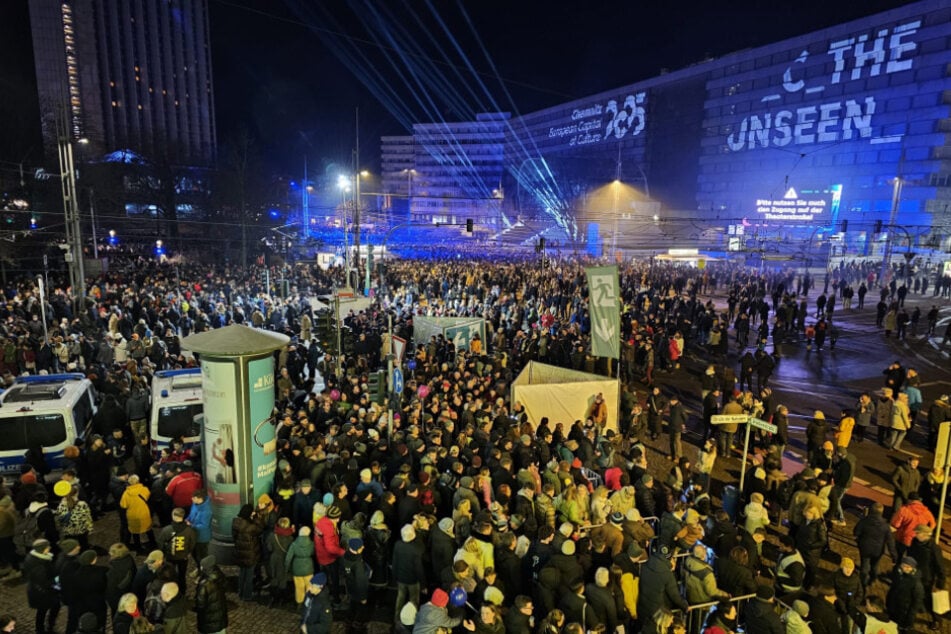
[{"x": 74, "y": 242}]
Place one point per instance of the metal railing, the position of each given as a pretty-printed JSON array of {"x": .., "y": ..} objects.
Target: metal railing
[{"x": 697, "y": 614}]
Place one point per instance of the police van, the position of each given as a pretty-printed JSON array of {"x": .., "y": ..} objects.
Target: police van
[
  {"x": 176, "y": 407},
  {"x": 49, "y": 411}
]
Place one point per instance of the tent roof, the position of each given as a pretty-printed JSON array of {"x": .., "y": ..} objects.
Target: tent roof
[{"x": 539, "y": 373}]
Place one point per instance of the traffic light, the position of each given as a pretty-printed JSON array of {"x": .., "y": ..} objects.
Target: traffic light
[
  {"x": 469, "y": 225},
  {"x": 845, "y": 226},
  {"x": 878, "y": 226}
]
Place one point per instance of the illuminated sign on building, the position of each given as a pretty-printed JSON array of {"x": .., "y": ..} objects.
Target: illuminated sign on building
[
  {"x": 881, "y": 51},
  {"x": 598, "y": 122},
  {"x": 793, "y": 206}
]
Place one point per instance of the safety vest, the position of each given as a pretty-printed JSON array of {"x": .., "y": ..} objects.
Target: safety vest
[{"x": 782, "y": 579}]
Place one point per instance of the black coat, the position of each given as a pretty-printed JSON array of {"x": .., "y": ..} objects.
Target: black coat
[
  {"x": 39, "y": 575},
  {"x": 577, "y": 610},
  {"x": 317, "y": 614},
  {"x": 442, "y": 550},
  {"x": 761, "y": 617},
  {"x": 119, "y": 579},
  {"x": 247, "y": 541},
  {"x": 90, "y": 591},
  {"x": 905, "y": 599},
  {"x": 210, "y": 602},
  {"x": 824, "y": 618},
  {"x": 408, "y": 562},
  {"x": 734, "y": 578},
  {"x": 930, "y": 562},
  {"x": 658, "y": 587},
  {"x": 874, "y": 537}
]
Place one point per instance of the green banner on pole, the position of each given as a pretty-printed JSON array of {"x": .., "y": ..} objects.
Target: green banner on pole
[{"x": 605, "y": 311}]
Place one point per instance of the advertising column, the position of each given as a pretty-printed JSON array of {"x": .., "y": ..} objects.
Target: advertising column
[
  {"x": 223, "y": 476},
  {"x": 263, "y": 438}
]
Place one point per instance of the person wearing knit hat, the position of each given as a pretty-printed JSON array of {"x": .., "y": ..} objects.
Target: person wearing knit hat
[
  {"x": 440, "y": 599},
  {"x": 88, "y": 558},
  {"x": 568, "y": 548},
  {"x": 355, "y": 544},
  {"x": 316, "y": 614},
  {"x": 447, "y": 526}
]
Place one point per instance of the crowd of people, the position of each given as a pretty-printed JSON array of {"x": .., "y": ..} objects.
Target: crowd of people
[{"x": 462, "y": 513}]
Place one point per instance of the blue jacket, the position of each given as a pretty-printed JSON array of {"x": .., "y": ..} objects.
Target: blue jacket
[{"x": 200, "y": 519}]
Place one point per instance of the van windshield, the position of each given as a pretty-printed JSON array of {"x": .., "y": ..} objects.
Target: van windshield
[
  {"x": 179, "y": 420},
  {"x": 20, "y": 432}
]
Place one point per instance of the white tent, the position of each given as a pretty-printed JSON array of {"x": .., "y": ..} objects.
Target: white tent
[
  {"x": 563, "y": 395},
  {"x": 460, "y": 330}
]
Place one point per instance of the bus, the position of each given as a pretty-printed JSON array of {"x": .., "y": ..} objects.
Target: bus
[
  {"x": 176, "y": 408},
  {"x": 50, "y": 411}
]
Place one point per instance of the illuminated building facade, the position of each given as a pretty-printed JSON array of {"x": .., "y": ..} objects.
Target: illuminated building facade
[
  {"x": 132, "y": 75},
  {"x": 451, "y": 172},
  {"x": 849, "y": 123}
]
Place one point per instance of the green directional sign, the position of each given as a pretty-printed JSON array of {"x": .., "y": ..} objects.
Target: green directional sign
[{"x": 605, "y": 311}]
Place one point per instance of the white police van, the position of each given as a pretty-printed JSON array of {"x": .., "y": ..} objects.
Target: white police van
[
  {"x": 176, "y": 407},
  {"x": 50, "y": 411}
]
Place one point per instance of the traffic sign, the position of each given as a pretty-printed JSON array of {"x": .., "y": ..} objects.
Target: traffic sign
[
  {"x": 397, "y": 381},
  {"x": 759, "y": 423},
  {"x": 721, "y": 419}
]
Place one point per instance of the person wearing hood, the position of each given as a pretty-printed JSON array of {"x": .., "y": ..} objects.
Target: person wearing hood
[
  {"x": 41, "y": 593},
  {"x": 278, "y": 545},
  {"x": 135, "y": 503},
  {"x": 210, "y": 601},
  {"x": 442, "y": 546},
  {"x": 658, "y": 585},
  {"x": 299, "y": 563},
  {"x": 378, "y": 550},
  {"x": 794, "y": 619},
  {"x": 755, "y": 513}
]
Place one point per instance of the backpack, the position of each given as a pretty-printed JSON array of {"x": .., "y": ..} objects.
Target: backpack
[
  {"x": 154, "y": 608},
  {"x": 177, "y": 545},
  {"x": 26, "y": 531}
]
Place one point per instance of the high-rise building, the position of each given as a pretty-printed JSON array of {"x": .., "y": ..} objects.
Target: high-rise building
[
  {"x": 399, "y": 168},
  {"x": 458, "y": 171},
  {"x": 127, "y": 76}
]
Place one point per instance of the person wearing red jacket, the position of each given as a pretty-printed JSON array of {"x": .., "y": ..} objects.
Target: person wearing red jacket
[
  {"x": 183, "y": 486},
  {"x": 327, "y": 546},
  {"x": 909, "y": 517}
]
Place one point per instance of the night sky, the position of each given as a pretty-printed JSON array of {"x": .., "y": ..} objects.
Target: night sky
[{"x": 278, "y": 72}]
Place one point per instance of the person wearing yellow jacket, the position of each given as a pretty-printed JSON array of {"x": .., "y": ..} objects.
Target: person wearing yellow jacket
[{"x": 135, "y": 502}]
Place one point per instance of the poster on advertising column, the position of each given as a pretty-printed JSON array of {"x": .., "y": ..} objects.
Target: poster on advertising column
[
  {"x": 222, "y": 475},
  {"x": 263, "y": 435}
]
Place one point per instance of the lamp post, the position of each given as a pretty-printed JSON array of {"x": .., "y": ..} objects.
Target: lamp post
[
  {"x": 343, "y": 184},
  {"x": 74, "y": 243}
]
